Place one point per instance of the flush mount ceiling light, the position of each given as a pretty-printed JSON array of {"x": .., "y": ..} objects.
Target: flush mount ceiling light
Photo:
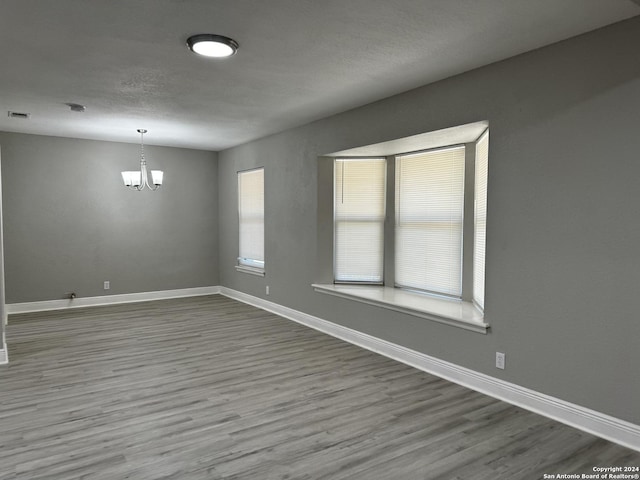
[
  {"x": 211, "y": 45},
  {"x": 138, "y": 180}
]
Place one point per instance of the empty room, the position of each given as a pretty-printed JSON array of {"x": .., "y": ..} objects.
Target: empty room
[{"x": 295, "y": 239}]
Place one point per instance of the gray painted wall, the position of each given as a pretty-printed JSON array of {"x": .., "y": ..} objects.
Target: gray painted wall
[
  {"x": 563, "y": 263},
  {"x": 70, "y": 224}
]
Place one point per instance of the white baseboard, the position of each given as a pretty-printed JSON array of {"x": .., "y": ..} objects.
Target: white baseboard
[
  {"x": 13, "y": 308},
  {"x": 4, "y": 355},
  {"x": 591, "y": 421}
]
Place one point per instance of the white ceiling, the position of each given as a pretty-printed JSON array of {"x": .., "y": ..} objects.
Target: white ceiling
[{"x": 299, "y": 60}]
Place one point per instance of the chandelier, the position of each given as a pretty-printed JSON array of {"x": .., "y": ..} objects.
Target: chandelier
[{"x": 138, "y": 180}]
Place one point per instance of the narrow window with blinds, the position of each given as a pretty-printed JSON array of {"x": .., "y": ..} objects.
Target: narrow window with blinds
[
  {"x": 429, "y": 194},
  {"x": 480, "y": 218},
  {"x": 359, "y": 213},
  {"x": 251, "y": 219}
]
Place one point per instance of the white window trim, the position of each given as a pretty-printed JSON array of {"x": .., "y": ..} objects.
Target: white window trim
[
  {"x": 462, "y": 313},
  {"x": 260, "y": 272},
  {"x": 383, "y": 163},
  {"x": 250, "y": 265},
  {"x": 463, "y": 271},
  {"x": 456, "y": 313}
]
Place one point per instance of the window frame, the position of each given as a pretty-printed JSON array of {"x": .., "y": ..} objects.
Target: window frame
[
  {"x": 335, "y": 220},
  {"x": 462, "y": 314},
  {"x": 247, "y": 264},
  {"x": 394, "y": 220},
  {"x": 479, "y": 278},
  {"x": 411, "y": 298}
]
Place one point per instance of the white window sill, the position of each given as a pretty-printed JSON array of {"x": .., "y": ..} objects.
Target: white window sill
[
  {"x": 450, "y": 312},
  {"x": 250, "y": 270}
]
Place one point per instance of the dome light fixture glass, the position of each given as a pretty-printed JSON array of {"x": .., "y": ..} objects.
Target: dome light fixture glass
[{"x": 211, "y": 45}]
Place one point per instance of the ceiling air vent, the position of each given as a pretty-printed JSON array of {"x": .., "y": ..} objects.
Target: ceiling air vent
[{"x": 18, "y": 114}]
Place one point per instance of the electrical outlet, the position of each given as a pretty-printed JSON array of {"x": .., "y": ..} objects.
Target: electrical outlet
[
  {"x": 267, "y": 289},
  {"x": 107, "y": 285},
  {"x": 500, "y": 360}
]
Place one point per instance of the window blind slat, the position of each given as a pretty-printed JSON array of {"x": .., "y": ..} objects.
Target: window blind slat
[
  {"x": 429, "y": 213},
  {"x": 480, "y": 218},
  {"x": 359, "y": 212},
  {"x": 251, "y": 217}
]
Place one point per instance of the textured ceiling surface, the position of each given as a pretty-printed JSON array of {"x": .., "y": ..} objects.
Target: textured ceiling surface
[{"x": 299, "y": 60}]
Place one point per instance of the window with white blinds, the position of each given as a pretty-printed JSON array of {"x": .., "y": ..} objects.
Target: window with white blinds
[
  {"x": 251, "y": 218},
  {"x": 437, "y": 202},
  {"x": 359, "y": 212},
  {"x": 429, "y": 194},
  {"x": 480, "y": 218}
]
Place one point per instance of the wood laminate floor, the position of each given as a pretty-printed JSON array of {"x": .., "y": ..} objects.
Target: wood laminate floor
[{"x": 209, "y": 388}]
